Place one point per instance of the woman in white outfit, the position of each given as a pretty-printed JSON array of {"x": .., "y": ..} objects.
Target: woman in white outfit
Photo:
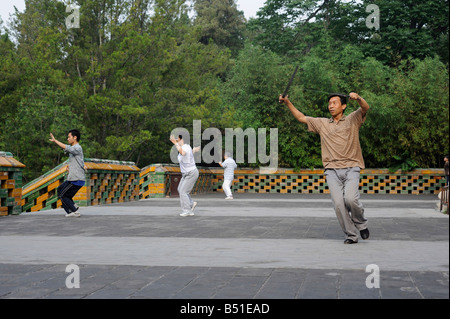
[
  {"x": 189, "y": 174},
  {"x": 228, "y": 176}
]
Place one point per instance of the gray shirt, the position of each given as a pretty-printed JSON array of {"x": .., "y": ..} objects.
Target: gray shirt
[{"x": 76, "y": 163}]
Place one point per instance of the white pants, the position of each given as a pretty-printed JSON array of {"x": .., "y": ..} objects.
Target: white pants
[{"x": 227, "y": 187}]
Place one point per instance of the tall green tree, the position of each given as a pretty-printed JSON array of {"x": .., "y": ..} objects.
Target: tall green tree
[
  {"x": 293, "y": 28},
  {"x": 25, "y": 132},
  {"x": 141, "y": 75},
  {"x": 252, "y": 89},
  {"x": 408, "y": 29},
  {"x": 10, "y": 75},
  {"x": 220, "y": 21},
  {"x": 136, "y": 69},
  {"x": 132, "y": 72}
]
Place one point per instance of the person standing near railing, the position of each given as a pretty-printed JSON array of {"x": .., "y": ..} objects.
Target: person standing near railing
[
  {"x": 77, "y": 177},
  {"x": 189, "y": 174},
  {"x": 228, "y": 176},
  {"x": 446, "y": 169}
]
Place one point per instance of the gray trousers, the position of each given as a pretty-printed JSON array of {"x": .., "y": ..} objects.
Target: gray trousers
[
  {"x": 186, "y": 185},
  {"x": 344, "y": 189}
]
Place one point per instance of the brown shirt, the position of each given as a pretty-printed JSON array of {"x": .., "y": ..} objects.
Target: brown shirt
[{"x": 340, "y": 141}]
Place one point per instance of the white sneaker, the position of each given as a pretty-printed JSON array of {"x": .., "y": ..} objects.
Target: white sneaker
[
  {"x": 73, "y": 215},
  {"x": 193, "y": 206},
  {"x": 229, "y": 197},
  {"x": 187, "y": 214}
]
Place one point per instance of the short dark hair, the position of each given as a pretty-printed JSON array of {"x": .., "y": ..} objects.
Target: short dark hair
[
  {"x": 343, "y": 97},
  {"x": 76, "y": 133}
]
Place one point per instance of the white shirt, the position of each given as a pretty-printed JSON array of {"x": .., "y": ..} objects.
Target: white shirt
[
  {"x": 187, "y": 162},
  {"x": 229, "y": 165}
]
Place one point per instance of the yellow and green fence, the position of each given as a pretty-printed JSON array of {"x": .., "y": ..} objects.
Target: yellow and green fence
[
  {"x": 107, "y": 182},
  {"x": 373, "y": 181},
  {"x": 11, "y": 171},
  {"x": 161, "y": 180},
  {"x": 110, "y": 182}
]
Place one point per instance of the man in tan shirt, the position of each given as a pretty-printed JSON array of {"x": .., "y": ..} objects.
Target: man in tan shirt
[{"x": 342, "y": 159}]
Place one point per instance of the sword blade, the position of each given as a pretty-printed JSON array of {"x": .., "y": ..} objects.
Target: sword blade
[{"x": 290, "y": 82}]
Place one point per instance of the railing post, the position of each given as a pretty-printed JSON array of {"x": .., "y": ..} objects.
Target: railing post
[
  {"x": 11, "y": 171},
  {"x": 444, "y": 198}
]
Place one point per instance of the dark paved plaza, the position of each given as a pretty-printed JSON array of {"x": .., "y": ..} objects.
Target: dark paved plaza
[{"x": 255, "y": 247}]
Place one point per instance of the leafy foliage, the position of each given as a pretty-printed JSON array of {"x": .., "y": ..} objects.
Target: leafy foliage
[{"x": 135, "y": 70}]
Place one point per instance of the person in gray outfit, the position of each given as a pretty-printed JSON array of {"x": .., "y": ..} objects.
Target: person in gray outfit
[
  {"x": 76, "y": 177},
  {"x": 189, "y": 174}
]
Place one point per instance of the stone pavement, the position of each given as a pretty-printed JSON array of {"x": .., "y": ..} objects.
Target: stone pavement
[{"x": 271, "y": 246}]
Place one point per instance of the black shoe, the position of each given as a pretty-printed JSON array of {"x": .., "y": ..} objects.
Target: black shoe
[
  {"x": 365, "y": 234},
  {"x": 350, "y": 242}
]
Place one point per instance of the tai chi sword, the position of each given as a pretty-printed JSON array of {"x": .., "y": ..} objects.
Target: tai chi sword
[
  {"x": 318, "y": 91},
  {"x": 290, "y": 83}
]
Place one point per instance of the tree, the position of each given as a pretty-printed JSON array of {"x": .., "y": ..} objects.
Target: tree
[
  {"x": 221, "y": 22},
  {"x": 135, "y": 70},
  {"x": 252, "y": 89},
  {"x": 293, "y": 27},
  {"x": 129, "y": 76},
  {"x": 409, "y": 29},
  {"x": 409, "y": 112},
  {"x": 10, "y": 75},
  {"x": 25, "y": 132}
]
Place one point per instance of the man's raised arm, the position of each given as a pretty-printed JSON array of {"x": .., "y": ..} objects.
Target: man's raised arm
[
  {"x": 297, "y": 114},
  {"x": 53, "y": 139},
  {"x": 364, "y": 105}
]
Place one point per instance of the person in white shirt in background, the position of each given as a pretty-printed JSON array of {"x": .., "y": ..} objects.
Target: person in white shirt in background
[
  {"x": 189, "y": 174},
  {"x": 229, "y": 165}
]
